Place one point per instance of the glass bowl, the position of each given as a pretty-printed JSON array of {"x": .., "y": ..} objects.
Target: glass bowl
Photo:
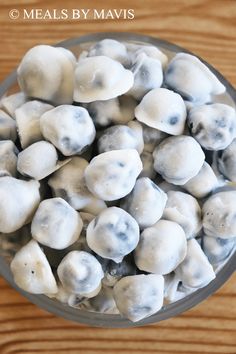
[{"x": 76, "y": 45}]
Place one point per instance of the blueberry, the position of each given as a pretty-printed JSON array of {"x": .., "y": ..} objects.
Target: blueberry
[
  {"x": 121, "y": 164},
  {"x": 122, "y": 236},
  {"x": 218, "y": 136},
  {"x": 69, "y": 145},
  {"x": 173, "y": 120},
  {"x": 79, "y": 116},
  {"x": 221, "y": 122},
  {"x": 124, "y": 268}
]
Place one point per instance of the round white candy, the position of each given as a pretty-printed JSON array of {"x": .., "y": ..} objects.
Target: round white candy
[
  {"x": 118, "y": 168},
  {"x": 110, "y": 48},
  {"x": 8, "y": 158},
  {"x": 69, "y": 128},
  {"x": 28, "y": 121},
  {"x": 113, "y": 234},
  {"x": 56, "y": 224},
  {"x": 118, "y": 110},
  {"x": 118, "y": 137},
  {"x": 227, "y": 162},
  {"x": 185, "y": 210},
  {"x": 47, "y": 73},
  {"x": 203, "y": 183},
  {"x": 213, "y": 125},
  {"x": 31, "y": 270},
  {"x": 178, "y": 159},
  {"x": 7, "y": 127},
  {"x": 38, "y": 160},
  {"x": 192, "y": 79},
  {"x": 161, "y": 248},
  {"x": 18, "y": 202},
  {"x": 145, "y": 203},
  {"x": 80, "y": 273},
  {"x": 219, "y": 215},
  {"x": 69, "y": 183},
  {"x": 139, "y": 296},
  {"x": 195, "y": 271},
  {"x": 218, "y": 250},
  {"x": 93, "y": 79},
  {"x": 148, "y": 75},
  {"x": 164, "y": 110}
]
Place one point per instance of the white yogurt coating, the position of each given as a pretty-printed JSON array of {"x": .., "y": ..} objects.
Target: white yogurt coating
[
  {"x": 28, "y": 121},
  {"x": 219, "y": 215},
  {"x": 162, "y": 247},
  {"x": 7, "y": 127},
  {"x": 150, "y": 50},
  {"x": 118, "y": 206},
  {"x": 192, "y": 79},
  {"x": 31, "y": 164},
  {"x": 94, "y": 82},
  {"x": 148, "y": 75},
  {"x": 118, "y": 137},
  {"x": 18, "y": 202},
  {"x": 213, "y": 125},
  {"x": 110, "y": 48},
  {"x": 139, "y": 296},
  {"x": 69, "y": 128},
  {"x": 218, "y": 249},
  {"x": 47, "y": 73},
  {"x": 119, "y": 167},
  {"x": 195, "y": 271},
  {"x": 145, "y": 203},
  {"x": 203, "y": 183},
  {"x": 184, "y": 210},
  {"x": 56, "y": 224},
  {"x": 162, "y": 109},
  {"x": 80, "y": 273},
  {"x": 8, "y": 158},
  {"x": 31, "y": 270},
  {"x": 113, "y": 234},
  {"x": 178, "y": 159}
]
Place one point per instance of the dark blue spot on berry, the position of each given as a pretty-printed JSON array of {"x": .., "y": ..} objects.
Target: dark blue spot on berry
[{"x": 173, "y": 120}]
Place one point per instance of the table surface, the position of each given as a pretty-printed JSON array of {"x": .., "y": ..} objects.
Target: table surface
[{"x": 206, "y": 27}]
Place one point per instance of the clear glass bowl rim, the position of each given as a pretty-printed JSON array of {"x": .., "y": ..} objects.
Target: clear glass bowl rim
[{"x": 116, "y": 321}]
